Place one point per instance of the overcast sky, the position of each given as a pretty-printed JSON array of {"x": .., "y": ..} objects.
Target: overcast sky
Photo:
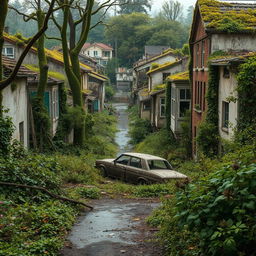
[{"x": 158, "y": 3}]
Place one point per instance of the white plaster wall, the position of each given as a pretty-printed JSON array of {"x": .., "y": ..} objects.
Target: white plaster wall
[
  {"x": 227, "y": 42},
  {"x": 157, "y": 77},
  {"x": 17, "y": 101},
  {"x": 227, "y": 88}
]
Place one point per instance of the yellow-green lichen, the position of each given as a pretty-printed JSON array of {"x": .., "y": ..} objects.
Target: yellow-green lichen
[
  {"x": 179, "y": 76},
  {"x": 162, "y": 66},
  {"x": 226, "y": 17},
  {"x": 157, "y": 88}
]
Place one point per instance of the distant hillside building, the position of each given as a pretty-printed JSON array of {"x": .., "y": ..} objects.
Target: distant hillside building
[
  {"x": 102, "y": 53},
  {"x": 154, "y": 50},
  {"x": 124, "y": 78}
]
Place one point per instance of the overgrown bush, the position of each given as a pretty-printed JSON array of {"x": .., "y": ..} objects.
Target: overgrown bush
[
  {"x": 214, "y": 215},
  {"x": 139, "y": 128}
]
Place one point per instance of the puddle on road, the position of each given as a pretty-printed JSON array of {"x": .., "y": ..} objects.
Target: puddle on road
[
  {"x": 122, "y": 136},
  {"x": 112, "y": 221}
]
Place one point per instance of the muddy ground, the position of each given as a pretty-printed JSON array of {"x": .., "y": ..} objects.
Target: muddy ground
[{"x": 115, "y": 227}]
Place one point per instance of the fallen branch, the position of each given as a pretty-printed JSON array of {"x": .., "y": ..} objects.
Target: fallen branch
[{"x": 46, "y": 191}]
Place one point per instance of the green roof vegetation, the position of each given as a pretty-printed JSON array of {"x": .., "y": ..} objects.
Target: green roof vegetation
[
  {"x": 179, "y": 76},
  {"x": 52, "y": 74},
  {"x": 155, "y": 66},
  {"x": 158, "y": 87},
  {"x": 228, "y": 17}
]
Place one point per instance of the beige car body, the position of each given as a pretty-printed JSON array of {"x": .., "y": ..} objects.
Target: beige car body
[{"x": 129, "y": 172}]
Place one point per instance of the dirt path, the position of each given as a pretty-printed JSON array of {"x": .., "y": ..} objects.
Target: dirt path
[{"x": 115, "y": 227}]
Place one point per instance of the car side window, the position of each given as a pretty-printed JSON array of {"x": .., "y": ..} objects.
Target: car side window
[
  {"x": 123, "y": 160},
  {"x": 135, "y": 162}
]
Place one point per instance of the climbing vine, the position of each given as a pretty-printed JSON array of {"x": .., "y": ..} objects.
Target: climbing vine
[
  {"x": 247, "y": 100},
  {"x": 208, "y": 135}
]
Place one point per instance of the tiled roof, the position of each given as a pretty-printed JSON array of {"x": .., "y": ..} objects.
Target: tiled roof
[
  {"x": 230, "y": 59},
  {"x": 100, "y": 45},
  {"x": 164, "y": 66},
  {"x": 9, "y": 65},
  {"x": 228, "y": 17}
]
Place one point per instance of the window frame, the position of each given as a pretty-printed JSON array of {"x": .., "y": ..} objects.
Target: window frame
[
  {"x": 225, "y": 115},
  {"x": 140, "y": 162},
  {"x": 162, "y": 105},
  {"x": 186, "y": 99},
  {"x": 116, "y": 160},
  {"x": 5, "y": 52}
]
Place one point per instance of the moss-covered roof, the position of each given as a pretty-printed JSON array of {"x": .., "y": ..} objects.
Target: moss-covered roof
[
  {"x": 163, "y": 66},
  {"x": 53, "y": 54},
  {"x": 179, "y": 76},
  {"x": 228, "y": 17},
  {"x": 158, "y": 88},
  {"x": 52, "y": 74}
]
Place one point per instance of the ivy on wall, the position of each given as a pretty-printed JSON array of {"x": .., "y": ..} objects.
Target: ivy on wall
[
  {"x": 247, "y": 100},
  {"x": 208, "y": 134}
]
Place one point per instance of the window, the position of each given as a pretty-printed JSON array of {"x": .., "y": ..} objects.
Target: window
[
  {"x": 88, "y": 53},
  {"x": 9, "y": 52},
  {"x": 226, "y": 72},
  {"x": 135, "y": 162},
  {"x": 146, "y": 105},
  {"x": 184, "y": 102},
  {"x": 203, "y": 53},
  {"x": 95, "y": 53},
  {"x": 123, "y": 159},
  {"x": 55, "y": 104},
  {"x": 106, "y": 54},
  {"x": 162, "y": 107},
  {"x": 158, "y": 164},
  {"x": 21, "y": 132},
  {"x": 197, "y": 55},
  {"x": 199, "y": 95},
  {"x": 165, "y": 75},
  {"x": 225, "y": 114},
  {"x": 173, "y": 102}
]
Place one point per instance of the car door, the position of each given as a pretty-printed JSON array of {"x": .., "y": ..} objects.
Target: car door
[
  {"x": 119, "y": 168},
  {"x": 134, "y": 170}
]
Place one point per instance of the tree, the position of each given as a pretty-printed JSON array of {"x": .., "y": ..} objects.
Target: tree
[
  {"x": 130, "y": 6},
  {"x": 72, "y": 47},
  {"x": 189, "y": 17},
  {"x": 171, "y": 10},
  {"x": 131, "y": 33},
  {"x": 4, "y": 82}
]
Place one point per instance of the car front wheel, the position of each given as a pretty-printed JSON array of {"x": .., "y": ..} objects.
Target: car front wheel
[{"x": 104, "y": 171}]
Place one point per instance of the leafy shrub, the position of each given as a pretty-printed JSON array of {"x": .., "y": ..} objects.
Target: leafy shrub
[
  {"x": 92, "y": 193},
  {"x": 218, "y": 212},
  {"x": 154, "y": 190},
  {"x": 6, "y": 130},
  {"x": 35, "y": 230}
]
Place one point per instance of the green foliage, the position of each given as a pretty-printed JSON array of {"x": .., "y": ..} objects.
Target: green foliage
[
  {"x": 208, "y": 134},
  {"x": 111, "y": 70},
  {"x": 131, "y": 6},
  {"x": 6, "y": 131},
  {"x": 158, "y": 143},
  {"x": 139, "y": 128},
  {"x": 109, "y": 92},
  {"x": 34, "y": 229},
  {"x": 221, "y": 213},
  {"x": 92, "y": 192},
  {"x": 42, "y": 124},
  {"x": 247, "y": 100},
  {"x": 214, "y": 212},
  {"x": 155, "y": 190},
  {"x": 229, "y": 25}
]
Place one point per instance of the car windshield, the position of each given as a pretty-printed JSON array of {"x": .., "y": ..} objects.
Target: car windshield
[{"x": 159, "y": 164}]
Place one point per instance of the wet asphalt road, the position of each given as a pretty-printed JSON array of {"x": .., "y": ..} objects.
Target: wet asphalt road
[{"x": 115, "y": 227}]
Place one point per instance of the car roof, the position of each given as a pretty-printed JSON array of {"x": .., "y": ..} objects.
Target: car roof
[{"x": 144, "y": 156}]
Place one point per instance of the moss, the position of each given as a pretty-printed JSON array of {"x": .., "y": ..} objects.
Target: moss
[
  {"x": 158, "y": 87},
  {"x": 51, "y": 73},
  {"x": 179, "y": 76},
  {"x": 156, "y": 67},
  {"x": 222, "y": 17},
  {"x": 86, "y": 91}
]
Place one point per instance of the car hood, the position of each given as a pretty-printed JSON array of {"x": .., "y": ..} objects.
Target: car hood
[{"x": 169, "y": 174}]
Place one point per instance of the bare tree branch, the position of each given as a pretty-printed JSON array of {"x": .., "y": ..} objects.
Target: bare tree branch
[
  {"x": 65, "y": 199},
  {"x": 6, "y": 82}
]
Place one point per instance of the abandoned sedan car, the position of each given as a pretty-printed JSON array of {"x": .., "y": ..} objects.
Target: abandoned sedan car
[{"x": 139, "y": 168}]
